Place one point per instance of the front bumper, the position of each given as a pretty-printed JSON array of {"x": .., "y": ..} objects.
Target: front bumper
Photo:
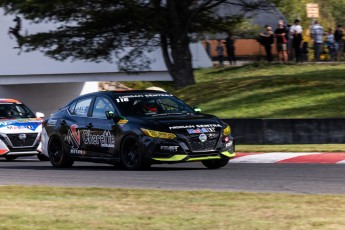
[
  {"x": 18, "y": 151},
  {"x": 177, "y": 150}
]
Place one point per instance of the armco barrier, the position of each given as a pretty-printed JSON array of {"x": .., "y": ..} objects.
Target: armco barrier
[{"x": 288, "y": 131}]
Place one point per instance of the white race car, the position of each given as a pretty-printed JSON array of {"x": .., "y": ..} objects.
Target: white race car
[{"x": 20, "y": 130}]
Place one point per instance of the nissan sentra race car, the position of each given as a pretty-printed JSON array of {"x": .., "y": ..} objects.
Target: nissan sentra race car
[
  {"x": 135, "y": 129},
  {"x": 19, "y": 130}
]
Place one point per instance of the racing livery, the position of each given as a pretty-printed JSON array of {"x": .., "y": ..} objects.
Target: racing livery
[
  {"x": 19, "y": 130},
  {"x": 135, "y": 129}
]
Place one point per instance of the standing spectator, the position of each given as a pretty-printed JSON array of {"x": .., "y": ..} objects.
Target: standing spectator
[
  {"x": 339, "y": 43},
  {"x": 220, "y": 52},
  {"x": 317, "y": 36},
  {"x": 230, "y": 48},
  {"x": 296, "y": 34},
  {"x": 267, "y": 38},
  {"x": 280, "y": 34},
  {"x": 330, "y": 44}
]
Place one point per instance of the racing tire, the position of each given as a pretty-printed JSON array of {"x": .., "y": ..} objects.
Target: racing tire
[
  {"x": 57, "y": 154},
  {"x": 10, "y": 158},
  {"x": 42, "y": 157},
  {"x": 216, "y": 164},
  {"x": 132, "y": 157}
]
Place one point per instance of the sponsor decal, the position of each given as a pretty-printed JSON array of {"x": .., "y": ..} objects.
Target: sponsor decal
[
  {"x": 122, "y": 122},
  {"x": 105, "y": 139},
  {"x": 126, "y": 98},
  {"x": 210, "y": 126},
  {"x": 74, "y": 138},
  {"x": 228, "y": 145},
  {"x": 78, "y": 152},
  {"x": 202, "y": 130},
  {"x": 31, "y": 125},
  {"x": 182, "y": 127},
  {"x": 51, "y": 122},
  {"x": 169, "y": 148}
]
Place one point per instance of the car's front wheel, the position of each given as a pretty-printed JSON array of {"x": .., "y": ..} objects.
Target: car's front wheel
[
  {"x": 57, "y": 154},
  {"x": 131, "y": 155},
  {"x": 215, "y": 164},
  {"x": 10, "y": 158},
  {"x": 42, "y": 157}
]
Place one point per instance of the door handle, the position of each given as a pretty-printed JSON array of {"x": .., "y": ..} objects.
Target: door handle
[{"x": 89, "y": 126}]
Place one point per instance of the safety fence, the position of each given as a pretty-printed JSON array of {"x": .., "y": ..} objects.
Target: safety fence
[{"x": 288, "y": 131}]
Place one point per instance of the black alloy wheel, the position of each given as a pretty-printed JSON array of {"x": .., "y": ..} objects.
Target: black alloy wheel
[
  {"x": 57, "y": 154},
  {"x": 131, "y": 155},
  {"x": 215, "y": 164}
]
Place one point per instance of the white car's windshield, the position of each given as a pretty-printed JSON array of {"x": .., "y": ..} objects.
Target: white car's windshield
[{"x": 15, "y": 111}]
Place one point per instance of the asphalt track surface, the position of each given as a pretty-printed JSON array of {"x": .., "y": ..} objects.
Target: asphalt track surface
[{"x": 249, "y": 177}]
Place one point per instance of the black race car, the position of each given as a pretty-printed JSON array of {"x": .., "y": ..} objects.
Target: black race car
[{"x": 135, "y": 129}]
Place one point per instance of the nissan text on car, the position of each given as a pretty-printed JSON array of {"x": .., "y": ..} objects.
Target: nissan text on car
[
  {"x": 135, "y": 129},
  {"x": 20, "y": 130}
]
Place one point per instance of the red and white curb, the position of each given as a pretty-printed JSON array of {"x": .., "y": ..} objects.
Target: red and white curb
[{"x": 291, "y": 157}]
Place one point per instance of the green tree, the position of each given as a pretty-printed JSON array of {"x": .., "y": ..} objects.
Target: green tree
[{"x": 98, "y": 30}]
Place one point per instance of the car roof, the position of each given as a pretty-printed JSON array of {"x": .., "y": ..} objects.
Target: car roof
[
  {"x": 127, "y": 92},
  {"x": 9, "y": 100}
]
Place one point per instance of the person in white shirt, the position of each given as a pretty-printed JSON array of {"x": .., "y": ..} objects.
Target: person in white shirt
[
  {"x": 317, "y": 35},
  {"x": 296, "y": 35}
]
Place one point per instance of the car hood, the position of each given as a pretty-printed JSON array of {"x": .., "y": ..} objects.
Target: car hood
[
  {"x": 26, "y": 125},
  {"x": 185, "y": 123}
]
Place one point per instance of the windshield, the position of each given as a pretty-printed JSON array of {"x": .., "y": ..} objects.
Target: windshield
[
  {"x": 15, "y": 111},
  {"x": 151, "y": 105}
]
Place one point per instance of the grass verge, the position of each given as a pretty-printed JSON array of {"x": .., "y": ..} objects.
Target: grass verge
[
  {"x": 103, "y": 208},
  {"x": 259, "y": 90}
]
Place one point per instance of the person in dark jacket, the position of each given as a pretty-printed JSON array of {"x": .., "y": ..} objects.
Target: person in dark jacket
[
  {"x": 230, "y": 49},
  {"x": 267, "y": 40}
]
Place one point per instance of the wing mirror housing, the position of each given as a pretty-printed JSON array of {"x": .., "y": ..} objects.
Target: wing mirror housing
[
  {"x": 39, "y": 115},
  {"x": 115, "y": 118},
  {"x": 197, "y": 109}
]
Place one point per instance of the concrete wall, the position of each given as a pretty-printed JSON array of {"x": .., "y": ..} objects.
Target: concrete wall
[
  {"x": 288, "y": 131},
  {"x": 47, "y": 98}
]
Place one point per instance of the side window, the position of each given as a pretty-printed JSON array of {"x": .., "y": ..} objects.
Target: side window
[
  {"x": 71, "y": 108},
  {"x": 101, "y": 106},
  {"x": 82, "y": 107}
]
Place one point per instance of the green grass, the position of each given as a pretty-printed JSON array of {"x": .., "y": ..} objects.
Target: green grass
[
  {"x": 104, "y": 208},
  {"x": 267, "y": 91}
]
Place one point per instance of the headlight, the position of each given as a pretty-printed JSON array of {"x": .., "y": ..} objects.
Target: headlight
[
  {"x": 157, "y": 134},
  {"x": 227, "y": 131}
]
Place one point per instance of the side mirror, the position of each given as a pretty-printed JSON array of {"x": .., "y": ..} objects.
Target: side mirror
[
  {"x": 109, "y": 114},
  {"x": 115, "y": 118},
  {"x": 196, "y": 109},
  {"x": 39, "y": 115}
]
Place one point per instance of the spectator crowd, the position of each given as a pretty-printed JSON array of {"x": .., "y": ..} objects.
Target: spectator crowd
[{"x": 290, "y": 43}]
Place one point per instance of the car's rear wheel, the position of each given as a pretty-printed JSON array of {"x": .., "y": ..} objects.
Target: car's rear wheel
[
  {"x": 10, "y": 158},
  {"x": 216, "y": 164},
  {"x": 57, "y": 154},
  {"x": 131, "y": 155}
]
